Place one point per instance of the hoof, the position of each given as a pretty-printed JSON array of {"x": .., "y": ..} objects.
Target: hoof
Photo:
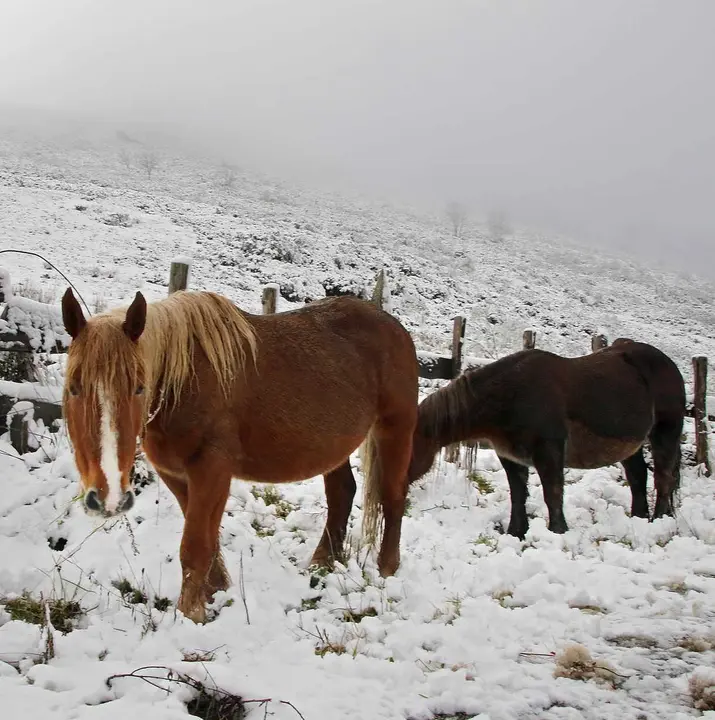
[
  {"x": 196, "y": 614},
  {"x": 559, "y": 527},
  {"x": 192, "y": 601},
  {"x": 322, "y": 559},
  {"x": 389, "y": 567},
  {"x": 517, "y": 532}
]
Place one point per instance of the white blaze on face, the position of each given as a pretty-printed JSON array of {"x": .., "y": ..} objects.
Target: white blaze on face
[{"x": 109, "y": 459}]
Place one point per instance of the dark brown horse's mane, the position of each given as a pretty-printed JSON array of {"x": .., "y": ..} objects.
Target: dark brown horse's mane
[
  {"x": 449, "y": 414},
  {"x": 445, "y": 412}
]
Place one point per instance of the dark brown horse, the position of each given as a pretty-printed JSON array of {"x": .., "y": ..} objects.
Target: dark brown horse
[
  {"x": 541, "y": 410},
  {"x": 216, "y": 393}
]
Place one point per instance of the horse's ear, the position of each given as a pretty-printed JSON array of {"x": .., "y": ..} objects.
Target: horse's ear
[
  {"x": 72, "y": 315},
  {"x": 136, "y": 318}
]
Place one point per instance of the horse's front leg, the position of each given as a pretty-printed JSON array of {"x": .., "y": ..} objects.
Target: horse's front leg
[
  {"x": 339, "y": 492},
  {"x": 209, "y": 486},
  {"x": 218, "y": 577}
]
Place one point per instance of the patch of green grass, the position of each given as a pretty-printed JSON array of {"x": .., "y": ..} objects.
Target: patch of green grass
[
  {"x": 260, "y": 530},
  {"x": 356, "y": 617},
  {"x": 162, "y": 604},
  {"x": 481, "y": 482},
  {"x": 486, "y": 540},
  {"x": 323, "y": 648},
  {"x": 633, "y": 641},
  {"x": 501, "y": 597},
  {"x": 590, "y": 609},
  {"x": 317, "y": 574},
  {"x": 309, "y": 603},
  {"x": 677, "y": 587},
  {"x": 63, "y": 613},
  {"x": 130, "y": 594},
  {"x": 271, "y": 496}
]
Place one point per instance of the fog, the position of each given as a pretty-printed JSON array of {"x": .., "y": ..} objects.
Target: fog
[{"x": 591, "y": 119}]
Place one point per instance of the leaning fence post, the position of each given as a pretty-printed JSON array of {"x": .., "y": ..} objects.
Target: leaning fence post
[
  {"x": 598, "y": 342},
  {"x": 700, "y": 382},
  {"x": 269, "y": 299},
  {"x": 179, "y": 275},
  {"x": 529, "y": 339}
]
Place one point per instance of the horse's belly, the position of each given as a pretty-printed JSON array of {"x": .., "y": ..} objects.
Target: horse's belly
[
  {"x": 509, "y": 450},
  {"x": 286, "y": 462},
  {"x": 585, "y": 450}
]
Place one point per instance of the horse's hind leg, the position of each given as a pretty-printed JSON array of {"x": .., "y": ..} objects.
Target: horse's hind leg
[
  {"x": 518, "y": 476},
  {"x": 339, "y": 491},
  {"x": 637, "y": 476},
  {"x": 548, "y": 460},
  {"x": 665, "y": 448},
  {"x": 392, "y": 450},
  {"x": 218, "y": 577}
]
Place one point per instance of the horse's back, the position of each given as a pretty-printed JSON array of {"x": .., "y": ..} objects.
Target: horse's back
[
  {"x": 341, "y": 329},
  {"x": 342, "y": 357}
]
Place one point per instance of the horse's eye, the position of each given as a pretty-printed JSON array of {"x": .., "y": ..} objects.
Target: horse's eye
[
  {"x": 140, "y": 390},
  {"x": 74, "y": 389}
]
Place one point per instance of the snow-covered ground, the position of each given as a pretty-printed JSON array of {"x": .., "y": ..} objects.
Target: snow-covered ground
[{"x": 470, "y": 624}]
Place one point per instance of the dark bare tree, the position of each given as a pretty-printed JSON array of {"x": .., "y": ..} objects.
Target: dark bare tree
[{"x": 457, "y": 214}]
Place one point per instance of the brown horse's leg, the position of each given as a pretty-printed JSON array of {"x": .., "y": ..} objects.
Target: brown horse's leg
[
  {"x": 518, "y": 477},
  {"x": 549, "y": 463},
  {"x": 179, "y": 488},
  {"x": 339, "y": 491},
  {"x": 637, "y": 476},
  {"x": 665, "y": 447},
  {"x": 209, "y": 485},
  {"x": 218, "y": 577},
  {"x": 394, "y": 450}
]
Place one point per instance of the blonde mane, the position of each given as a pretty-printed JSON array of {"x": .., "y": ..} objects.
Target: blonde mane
[{"x": 162, "y": 360}]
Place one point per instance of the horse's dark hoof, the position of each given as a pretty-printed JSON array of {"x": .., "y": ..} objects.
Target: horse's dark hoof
[
  {"x": 517, "y": 532},
  {"x": 559, "y": 528}
]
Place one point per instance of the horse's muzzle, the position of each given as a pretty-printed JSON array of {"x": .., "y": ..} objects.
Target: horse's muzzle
[{"x": 95, "y": 506}]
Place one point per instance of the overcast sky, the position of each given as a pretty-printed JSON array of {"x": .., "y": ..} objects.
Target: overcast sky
[{"x": 594, "y": 118}]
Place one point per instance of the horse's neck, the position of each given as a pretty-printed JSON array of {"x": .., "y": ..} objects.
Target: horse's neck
[{"x": 451, "y": 415}]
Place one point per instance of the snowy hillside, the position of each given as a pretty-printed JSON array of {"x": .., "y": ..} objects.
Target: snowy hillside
[
  {"x": 475, "y": 622},
  {"x": 74, "y": 200}
]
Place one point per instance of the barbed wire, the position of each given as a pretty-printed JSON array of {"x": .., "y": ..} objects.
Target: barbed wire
[{"x": 56, "y": 269}]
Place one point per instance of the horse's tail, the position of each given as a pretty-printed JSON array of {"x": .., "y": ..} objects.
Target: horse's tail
[{"x": 372, "y": 489}]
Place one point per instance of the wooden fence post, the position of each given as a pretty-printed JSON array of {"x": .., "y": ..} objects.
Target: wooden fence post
[
  {"x": 178, "y": 275},
  {"x": 700, "y": 378},
  {"x": 19, "y": 427},
  {"x": 529, "y": 339},
  {"x": 378, "y": 294},
  {"x": 598, "y": 342},
  {"x": 460, "y": 323},
  {"x": 5, "y": 286},
  {"x": 458, "y": 329},
  {"x": 269, "y": 299}
]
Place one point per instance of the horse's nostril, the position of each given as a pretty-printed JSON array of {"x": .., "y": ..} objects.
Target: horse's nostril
[
  {"x": 92, "y": 502},
  {"x": 127, "y": 502}
]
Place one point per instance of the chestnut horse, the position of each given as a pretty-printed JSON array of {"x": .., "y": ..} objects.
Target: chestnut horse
[
  {"x": 541, "y": 410},
  {"x": 214, "y": 393}
]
